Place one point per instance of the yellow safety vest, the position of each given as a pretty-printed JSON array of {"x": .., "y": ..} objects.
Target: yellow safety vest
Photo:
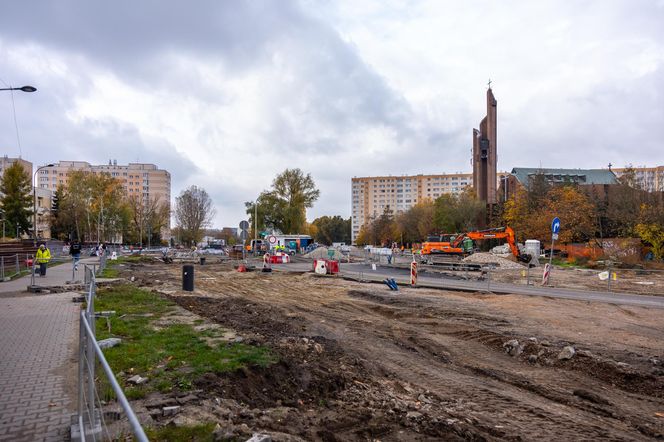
[{"x": 43, "y": 255}]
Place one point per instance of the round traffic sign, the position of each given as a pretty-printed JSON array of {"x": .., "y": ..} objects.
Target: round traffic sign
[
  {"x": 555, "y": 225},
  {"x": 244, "y": 225},
  {"x": 272, "y": 239}
]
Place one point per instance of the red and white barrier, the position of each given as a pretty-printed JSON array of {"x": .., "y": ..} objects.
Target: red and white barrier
[
  {"x": 413, "y": 273},
  {"x": 545, "y": 275}
]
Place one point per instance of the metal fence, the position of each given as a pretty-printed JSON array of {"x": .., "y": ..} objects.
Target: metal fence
[
  {"x": 90, "y": 422},
  {"x": 607, "y": 277},
  {"x": 13, "y": 265}
]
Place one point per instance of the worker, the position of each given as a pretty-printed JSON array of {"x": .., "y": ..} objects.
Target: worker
[{"x": 43, "y": 257}]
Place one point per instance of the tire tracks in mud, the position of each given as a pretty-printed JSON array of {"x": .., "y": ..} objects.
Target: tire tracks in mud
[{"x": 451, "y": 353}]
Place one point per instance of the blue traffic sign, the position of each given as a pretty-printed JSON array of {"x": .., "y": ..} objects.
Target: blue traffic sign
[{"x": 555, "y": 225}]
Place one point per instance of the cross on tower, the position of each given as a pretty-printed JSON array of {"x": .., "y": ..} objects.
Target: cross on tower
[{"x": 489, "y": 83}]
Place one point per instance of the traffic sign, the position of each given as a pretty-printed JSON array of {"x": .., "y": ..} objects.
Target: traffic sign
[
  {"x": 243, "y": 235},
  {"x": 272, "y": 239},
  {"x": 244, "y": 225},
  {"x": 555, "y": 225},
  {"x": 554, "y": 236}
]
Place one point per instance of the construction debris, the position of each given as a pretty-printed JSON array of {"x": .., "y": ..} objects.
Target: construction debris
[
  {"x": 488, "y": 258},
  {"x": 566, "y": 353},
  {"x": 108, "y": 343}
]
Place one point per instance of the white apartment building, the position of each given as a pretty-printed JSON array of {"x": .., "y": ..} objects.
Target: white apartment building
[
  {"x": 648, "y": 178},
  {"x": 370, "y": 195},
  {"x": 138, "y": 179},
  {"x": 6, "y": 161}
]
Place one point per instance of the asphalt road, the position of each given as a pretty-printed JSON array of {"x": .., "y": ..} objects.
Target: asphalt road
[{"x": 364, "y": 272}]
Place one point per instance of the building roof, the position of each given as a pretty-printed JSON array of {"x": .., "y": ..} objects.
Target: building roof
[{"x": 580, "y": 176}]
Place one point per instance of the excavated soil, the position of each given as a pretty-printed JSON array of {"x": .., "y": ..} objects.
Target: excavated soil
[{"x": 358, "y": 362}]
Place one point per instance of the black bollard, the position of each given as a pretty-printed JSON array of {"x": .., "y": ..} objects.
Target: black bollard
[
  {"x": 188, "y": 278},
  {"x": 202, "y": 260}
]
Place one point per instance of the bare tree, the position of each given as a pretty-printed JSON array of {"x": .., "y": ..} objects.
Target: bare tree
[{"x": 193, "y": 212}]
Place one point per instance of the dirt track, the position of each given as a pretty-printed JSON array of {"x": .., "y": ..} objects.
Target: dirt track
[{"x": 358, "y": 362}]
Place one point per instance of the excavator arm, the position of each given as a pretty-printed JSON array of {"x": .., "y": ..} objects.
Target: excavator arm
[{"x": 506, "y": 233}]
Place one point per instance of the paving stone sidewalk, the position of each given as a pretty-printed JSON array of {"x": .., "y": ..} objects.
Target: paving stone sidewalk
[{"x": 38, "y": 366}]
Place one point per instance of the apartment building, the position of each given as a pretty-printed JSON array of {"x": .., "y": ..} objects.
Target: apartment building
[
  {"x": 6, "y": 161},
  {"x": 142, "y": 180},
  {"x": 370, "y": 195},
  {"x": 648, "y": 178},
  {"x": 43, "y": 204}
]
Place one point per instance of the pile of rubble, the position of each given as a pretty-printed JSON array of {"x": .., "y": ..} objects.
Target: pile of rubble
[
  {"x": 322, "y": 253},
  {"x": 488, "y": 258}
]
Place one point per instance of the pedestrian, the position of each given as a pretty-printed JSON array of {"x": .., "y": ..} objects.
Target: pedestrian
[
  {"x": 43, "y": 257},
  {"x": 75, "y": 252}
]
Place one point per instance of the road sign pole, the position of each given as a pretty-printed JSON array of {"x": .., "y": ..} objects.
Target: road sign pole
[
  {"x": 555, "y": 228},
  {"x": 553, "y": 241}
]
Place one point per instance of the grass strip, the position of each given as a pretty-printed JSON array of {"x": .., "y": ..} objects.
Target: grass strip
[{"x": 172, "y": 356}]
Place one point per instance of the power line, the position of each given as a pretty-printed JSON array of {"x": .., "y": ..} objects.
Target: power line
[{"x": 18, "y": 137}]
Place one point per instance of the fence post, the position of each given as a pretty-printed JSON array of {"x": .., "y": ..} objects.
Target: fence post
[
  {"x": 2, "y": 261},
  {"x": 18, "y": 269},
  {"x": 91, "y": 355},
  {"x": 81, "y": 370}
]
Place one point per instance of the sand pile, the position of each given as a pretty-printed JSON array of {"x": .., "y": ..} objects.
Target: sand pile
[
  {"x": 321, "y": 253},
  {"x": 488, "y": 258}
]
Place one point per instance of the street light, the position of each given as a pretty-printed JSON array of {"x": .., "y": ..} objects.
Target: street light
[
  {"x": 34, "y": 200},
  {"x": 22, "y": 88}
]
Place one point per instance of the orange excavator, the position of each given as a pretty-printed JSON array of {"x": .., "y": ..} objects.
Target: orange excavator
[{"x": 461, "y": 244}]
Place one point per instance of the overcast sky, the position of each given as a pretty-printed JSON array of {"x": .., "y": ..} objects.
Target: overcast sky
[{"x": 226, "y": 94}]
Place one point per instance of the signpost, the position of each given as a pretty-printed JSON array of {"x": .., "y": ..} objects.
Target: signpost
[
  {"x": 555, "y": 228},
  {"x": 244, "y": 225}
]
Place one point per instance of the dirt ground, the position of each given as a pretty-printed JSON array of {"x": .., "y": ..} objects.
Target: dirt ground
[
  {"x": 644, "y": 282},
  {"x": 358, "y": 362}
]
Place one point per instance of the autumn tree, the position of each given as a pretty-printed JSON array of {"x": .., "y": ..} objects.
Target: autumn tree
[
  {"x": 414, "y": 224},
  {"x": 331, "y": 229},
  {"x": 193, "y": 212},
  {"x": 16, "y": 199},
  {"x": 284, "y": 206},
  {"x": 147, "y": 217},
  {"x": 576, "y": 213},
  {"x": 531, "y": 216},
  {"x": 652, "y": 234},
  {"x": 458, "y": 213},
  {"x": 91, "y": 207}
]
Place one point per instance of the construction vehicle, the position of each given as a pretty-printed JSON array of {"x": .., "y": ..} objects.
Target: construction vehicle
[{"x": 459, "y": 245}]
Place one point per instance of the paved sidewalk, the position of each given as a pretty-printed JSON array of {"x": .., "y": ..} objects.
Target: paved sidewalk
[
  {"x": 55, "y": 276},
  {"x": 38, "y": 366}
]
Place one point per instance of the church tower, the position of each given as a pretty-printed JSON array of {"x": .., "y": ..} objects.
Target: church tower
[{"x": 485, "y": 159}]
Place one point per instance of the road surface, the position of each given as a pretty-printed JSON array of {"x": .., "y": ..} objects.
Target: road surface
[{"x": 365, "y": 272}]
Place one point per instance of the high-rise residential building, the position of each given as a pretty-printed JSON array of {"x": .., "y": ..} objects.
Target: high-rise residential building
[
  {"x": 370, "y": 195},
  {"x": 145, "y": 181},
  {"x": 43, "y": 204},
  {"x": 6, "y": 161},
  {"x": 485, "y": 158},
  {"x": 648, "y": 178}
]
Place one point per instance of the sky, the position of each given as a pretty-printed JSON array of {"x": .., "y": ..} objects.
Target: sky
[{"x": 227, "y": 94}]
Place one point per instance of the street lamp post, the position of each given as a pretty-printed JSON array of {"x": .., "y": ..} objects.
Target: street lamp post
[
  {"x": 34, "y": 192},
  {"x": 22, "y": 88},
  {"x": 34, "y": 201}
]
